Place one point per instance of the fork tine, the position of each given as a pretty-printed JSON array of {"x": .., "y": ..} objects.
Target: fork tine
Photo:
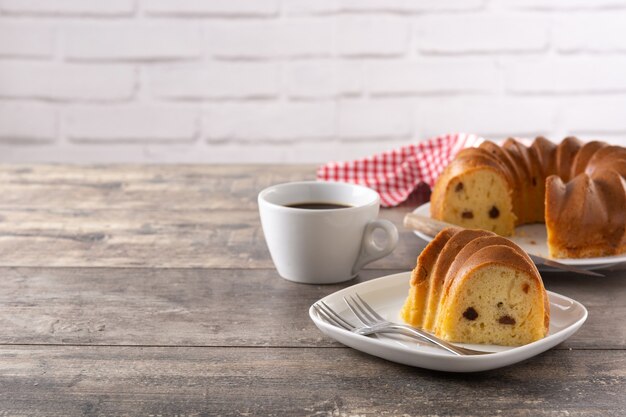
[
  {"x": 358, "y": 311},
  {"x": 372, "y": 320},
  {"x": 328, "y": 318},
  {"x": 336, "y": 315},
  {"x": 370, "y": 309},
  {"x": 332, "y": 315}
]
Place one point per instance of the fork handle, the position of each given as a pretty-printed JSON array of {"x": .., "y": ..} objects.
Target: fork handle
[
  {"x": 439, "y": 342},
  {"x": 419, "y": 335},
  {"x": 416, "y": 333}
]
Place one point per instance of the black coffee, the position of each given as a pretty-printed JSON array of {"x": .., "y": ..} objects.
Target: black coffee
[{"x": 318, "y": 206}]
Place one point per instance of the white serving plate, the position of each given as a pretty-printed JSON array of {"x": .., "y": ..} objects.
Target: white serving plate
[
  {"x": 532, "y": 238},
  {"x": 386, "y": 295}
]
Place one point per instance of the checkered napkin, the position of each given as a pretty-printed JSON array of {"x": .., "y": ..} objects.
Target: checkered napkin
[{"x": 397, "y": 173}]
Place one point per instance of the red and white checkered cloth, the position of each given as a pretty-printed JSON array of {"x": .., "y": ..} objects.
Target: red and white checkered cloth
[{"x": 397, "y": 173}]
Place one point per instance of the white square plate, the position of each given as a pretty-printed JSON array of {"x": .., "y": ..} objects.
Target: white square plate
[{"x": 386, "y": 295}]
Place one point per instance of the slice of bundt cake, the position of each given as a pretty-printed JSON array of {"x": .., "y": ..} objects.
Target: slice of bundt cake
[
  {"x": 490, "y": 293},
  {"x": 586, "y": 216},
  {"x": 475, "y": 191}
]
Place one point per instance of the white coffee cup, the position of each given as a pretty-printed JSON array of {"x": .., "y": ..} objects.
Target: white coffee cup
[{"x": 323, "y": 246}]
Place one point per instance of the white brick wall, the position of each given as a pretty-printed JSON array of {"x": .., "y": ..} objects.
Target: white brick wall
[
  {"x": 132, "y": 41},
  {"x": 482, "y": 33},
  {"x": 66, "y": 82},
  {"x": 221, "y": 80},
  {"x": 300, "y": 80},
  {"x": 67, "y": 7},
  {"x": 269, "y": 121},
  {"x": 130, "y": 123},
  {"x": 26, "y": 39}
]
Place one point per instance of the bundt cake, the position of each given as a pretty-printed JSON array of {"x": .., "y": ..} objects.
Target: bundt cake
[
  {"x": 473, "y": 286},
  {"x": 578, "y": 190}
]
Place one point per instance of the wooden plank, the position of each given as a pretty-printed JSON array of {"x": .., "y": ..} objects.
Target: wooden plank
[
  {"x": 154, "y": 238},
  {"x": 125, "y": 216},
  {"x": 142, "y": 187},
  {"x": 158, "y": 307},
  {"x": 203, "y": 307},
  {"x": 158, "y": 238},
  {"x": 55, "y": 381}
]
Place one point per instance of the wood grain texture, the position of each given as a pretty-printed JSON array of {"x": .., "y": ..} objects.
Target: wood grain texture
[
  {"x": 153, "y": 238},
  {"x": 55, "y": 381},
  {"x": 223, "y": 307},
  {"x": 157, "y": 216},
  {"x": 142, "y": 187},
  {"x": 148, "y": 216}
]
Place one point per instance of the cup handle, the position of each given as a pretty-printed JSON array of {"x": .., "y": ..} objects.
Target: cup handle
[{"x": 370, "y": 251}]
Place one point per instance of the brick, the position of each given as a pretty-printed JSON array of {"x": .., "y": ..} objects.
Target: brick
[
  {"x": 573, "y": 74},
  {"x": 269, "y": 39},
  {"x": 360, "y": 119},
  {"x": 341, "y": 150},
  {"x": 594, "y": 115},
  {"x": 131, "y": 123},
  {"x": 215, "y": 80},
  {"x": 382, "y": 6},
  {"x": 296, "y": 152},
  {"x": 133, "y": 41},
  {"x": 319, "y": 153},
  {"x": 269, "y": 121},
  {"x": 20, "y": 122},
  {"x": 68, "y": 7},
  {"x": 408, "y": 5},
  {"x": 55, "y": 81},
  {"x": 211, "y": 8},
  {"x": 481, "y": 34},
  {"x": 597, "y": 32},
  {"x": 493, "y": 117},
  {"x": 372, "y": 36},
  {"x": 104, "y": 153},
  {"x": 26, "y": 39},
  {"x": 194, "y": 153},
  {"x": 562, "y": 4},
  {"x": 444, "y": 75},
  {"x": 312, "y": 7},
  {"x": 315, "y": 79}
]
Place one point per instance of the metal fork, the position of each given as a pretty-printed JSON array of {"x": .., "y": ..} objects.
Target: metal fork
[
  {"x": 374, "y": 324},
  {"x": 369, "y": 317}
]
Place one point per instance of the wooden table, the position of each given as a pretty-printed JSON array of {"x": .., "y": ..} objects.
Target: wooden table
[{"x": 148, "y": 290}]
